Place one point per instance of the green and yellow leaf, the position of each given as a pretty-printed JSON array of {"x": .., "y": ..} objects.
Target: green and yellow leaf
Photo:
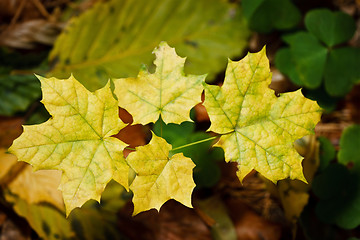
[
  {"x": 76, "y": 140},
  {"x": 91, "y": 222},
  {"x": 112, "y": 39},
  {"x": 7, "y": 163},
  {"x": 48, "y": 222},
  {"x": 259, "y": 128},
  {"x": 160, "y": 176},
  {"x": 39, "y": 186},
  {"x": 167, "y": 92},
  {"x": 34, "y": 187}
]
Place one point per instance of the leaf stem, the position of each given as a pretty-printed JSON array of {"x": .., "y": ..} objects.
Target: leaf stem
[
  {"x": 130, "y": 148},
  {"x": 194, "y": 143},
  {"x": 186, "y": 145}
]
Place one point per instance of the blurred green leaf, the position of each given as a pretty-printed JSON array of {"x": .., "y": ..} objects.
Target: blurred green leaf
[
  {"x": 330, "y": 27},
  {"x": 327, "y": 152},
  {"x": 20, "y": 60},
  {"x": 17, "y": 92},
  {"x": 350, "y": 146},
  {"x": 223, "y": 228},
  {"x": 48, "y": 222},
  {"x": 92, "y": 222},
  {"x": 267, "y": 15},
  {"x": 313, "y": 228},
  {"x": 309, "y": 57},
  {"x": 338, "y": 190},
  {"x": 342, "y": 70},
  {"x": 114, "y": 197},
  {"x": 114, "y": 38},
  {"x": 99, "y": 221},
  {"x": 285, "y": 63},
  {"x": 250, "y": 7}
]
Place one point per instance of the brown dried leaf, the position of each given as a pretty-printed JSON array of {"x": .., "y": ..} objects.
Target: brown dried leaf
[
  {"x": 29, "y": 34},
  {"x": 250, "y": 225}
]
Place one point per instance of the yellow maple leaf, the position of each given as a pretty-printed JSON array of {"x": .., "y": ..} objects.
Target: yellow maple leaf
[
  {"x": 167, "y": 92},
  {"x": 259, "y": 128},
  {"x": 76, "y": 140},
  {"x": 160, "y": 177}
]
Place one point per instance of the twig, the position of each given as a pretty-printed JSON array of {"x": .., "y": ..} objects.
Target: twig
[
  {"x": 17, "y": 13},
  {"x": 41, "y": 8}
]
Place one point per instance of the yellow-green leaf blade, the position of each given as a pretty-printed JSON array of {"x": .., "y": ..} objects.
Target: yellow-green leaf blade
[
  {"x": 167, "y": 92},
  {"x": 48, "y": 222},
  {"x": 112, "y": 39},
  {"x": 259, "y": 128},
  {"x": 160, "y": 177},
  {"x": 76, "y": 140},
  {"x": 33, "y": 187}
]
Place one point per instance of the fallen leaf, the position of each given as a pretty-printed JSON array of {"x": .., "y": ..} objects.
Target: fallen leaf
[
  {"x": 160, "y": 176},
  {"x": 258, "y": 129},
  {"x": 76, "y": 140},
  {"x": 167, "y": 92}
]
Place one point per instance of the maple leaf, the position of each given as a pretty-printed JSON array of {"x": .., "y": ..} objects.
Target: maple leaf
[
  {"x": 76, "y": 140},
  {"x": 167, "y": 92},
  {"x": 160, "y": 177},
  {"x": 259, "y": 128}
]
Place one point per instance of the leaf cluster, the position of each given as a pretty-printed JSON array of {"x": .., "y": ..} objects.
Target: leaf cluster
[
  {"x": 111, "y": 39},
  {"x": 316, "y": 59},
  {"x": 254, "y": 127},
  {"x": 257, "y": 129}
]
